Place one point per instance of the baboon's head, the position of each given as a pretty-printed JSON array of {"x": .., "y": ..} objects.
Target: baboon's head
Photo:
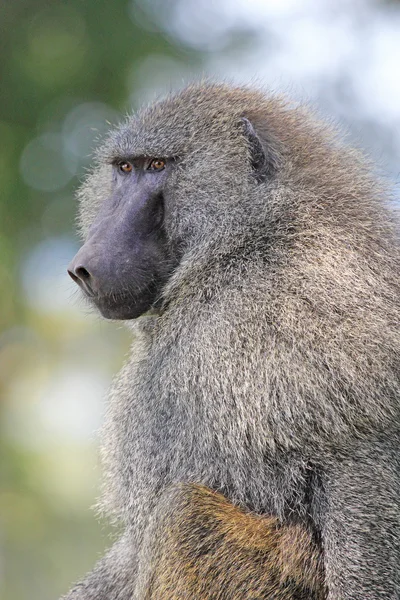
[{"x": 169, "y": 179}]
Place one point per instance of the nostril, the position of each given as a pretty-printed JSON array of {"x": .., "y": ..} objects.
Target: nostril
[
  {"x": 82, "y": 273},
  {"x": 79, "y": 274},
  {"x": 83, "y": 278}
]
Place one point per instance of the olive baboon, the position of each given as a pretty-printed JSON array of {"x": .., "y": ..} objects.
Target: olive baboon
[{"x": 251, "y": 445}]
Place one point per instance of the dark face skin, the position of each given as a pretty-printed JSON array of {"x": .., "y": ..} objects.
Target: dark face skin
[{"x": 125, "y": 260}]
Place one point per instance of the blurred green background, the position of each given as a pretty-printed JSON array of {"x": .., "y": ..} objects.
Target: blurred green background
[{"x": 69, "y": 69}]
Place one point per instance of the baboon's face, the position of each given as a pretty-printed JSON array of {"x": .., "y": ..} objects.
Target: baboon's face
[
  {"x": 178, "y": 172},
  {"x": 125, "y": 259}
]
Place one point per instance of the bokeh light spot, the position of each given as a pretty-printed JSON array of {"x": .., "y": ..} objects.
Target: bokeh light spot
[{"x": 45, "y": 165}]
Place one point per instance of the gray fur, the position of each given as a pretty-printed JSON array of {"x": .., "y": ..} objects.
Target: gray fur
[{"x": 271, "y": 372}]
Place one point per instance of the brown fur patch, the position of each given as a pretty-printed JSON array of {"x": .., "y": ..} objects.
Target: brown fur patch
[{"x": 207, "y": 548}]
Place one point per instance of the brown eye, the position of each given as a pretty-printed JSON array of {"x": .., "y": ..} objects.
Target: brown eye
[
  {"x": 157, "y": 164},
  {"x": 125, "y": 167}
]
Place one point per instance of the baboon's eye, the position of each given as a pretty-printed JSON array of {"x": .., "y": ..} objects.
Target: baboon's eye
[
  {"x": 125, "y": 167},
  {"x": 157, "y": 164}
]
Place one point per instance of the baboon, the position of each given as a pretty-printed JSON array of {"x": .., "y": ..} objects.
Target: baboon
[{"x": 251, "y": 443}]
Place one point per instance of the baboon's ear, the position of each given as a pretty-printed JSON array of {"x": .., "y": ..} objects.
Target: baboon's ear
[{"x": 265, "y": 157}]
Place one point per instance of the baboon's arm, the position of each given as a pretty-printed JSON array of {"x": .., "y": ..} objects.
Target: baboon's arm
[{"x": 199, "y": 546}]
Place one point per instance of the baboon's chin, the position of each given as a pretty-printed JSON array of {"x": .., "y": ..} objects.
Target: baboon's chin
[{"x": 120, "y": 310}]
